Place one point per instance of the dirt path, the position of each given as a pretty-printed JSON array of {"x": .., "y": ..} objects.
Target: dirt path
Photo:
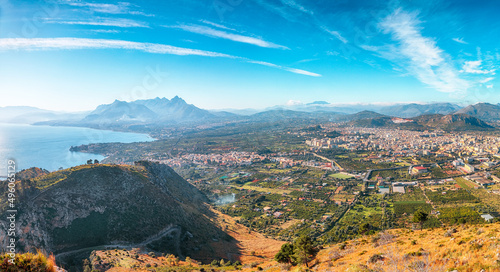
[{"x": 432, "y": 205}]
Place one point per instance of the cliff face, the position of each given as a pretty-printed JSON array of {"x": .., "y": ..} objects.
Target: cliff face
[{"x": 146, "y": 205}]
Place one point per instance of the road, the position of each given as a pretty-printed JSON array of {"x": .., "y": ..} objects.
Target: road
[{"x": 330, "y": 160}]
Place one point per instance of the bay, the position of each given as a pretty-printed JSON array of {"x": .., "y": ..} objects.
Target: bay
[{"x": 48, "y": 147}]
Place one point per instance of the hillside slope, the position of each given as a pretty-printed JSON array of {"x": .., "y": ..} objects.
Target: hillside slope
[
  {"x": 456, "y": 248},
  {"x": 450, "y": 122},
  {"x": 147, "y": 205},
  {"x": 414, "y": 110},
  {"x": 484, "y": 111}
]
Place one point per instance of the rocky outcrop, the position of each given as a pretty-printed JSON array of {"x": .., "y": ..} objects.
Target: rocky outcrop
[{"x": 98, "y": 205}]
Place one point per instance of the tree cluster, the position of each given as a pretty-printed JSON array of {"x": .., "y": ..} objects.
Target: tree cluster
[{"x": 302, "y": 251}]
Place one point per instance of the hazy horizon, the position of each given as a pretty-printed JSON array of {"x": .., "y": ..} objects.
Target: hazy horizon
[{"x": 289, "y": 104}]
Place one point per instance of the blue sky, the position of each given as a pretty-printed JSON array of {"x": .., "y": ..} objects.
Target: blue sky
[{"x": 73, "y": 55}]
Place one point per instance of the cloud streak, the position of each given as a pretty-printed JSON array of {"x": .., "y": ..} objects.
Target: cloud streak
[
  {"x": 282, "y": 11},
  {"x": 292, "y": 70},
  {"x": 35, "y": 44},
  {"x": 486, "y": 80},
  {"x": 215, "y": 33},
  {"x": 295, "y": 5},
  {"x": 40, "y": 44},
  {"x": 302, "y": 72},
  {"x": 124, "y": 23},
  {"x": 216, "y": 25},
  {"x": 460, "y": 40},
  {"x": 418, "y": 55},
  {"x": 119, "y": 8},
  {"x": 474, "y": 67},
  {"x": 335, "y": 34}
]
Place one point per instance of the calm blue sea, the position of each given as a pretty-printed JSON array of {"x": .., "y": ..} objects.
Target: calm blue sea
[{"x": 48, "y": 147}]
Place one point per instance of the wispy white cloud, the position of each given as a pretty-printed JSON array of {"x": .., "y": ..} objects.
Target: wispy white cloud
[
  {"x": 39, "y": 44},
  {"x": 485, "y": 80},
  {"x": 307, "y": 60},
  {"x": 474, "y": 67},
  {"x": 418, "y": 55},
  {"x": 217, "y": 25},
  {"x": 215, "y": 33},
  {"x": 264, "y": 63},
  {"x": 460, "y": 40},
  {"x": 282, "y": 11},
  {"x": 302, "y": 72},
  {"x": 118, "y": 8},
  {"x": 125, "y": 23},
  {"x": 297, "y": 6},
  {"x": 81, "y": 43},
  {"x": 334, "y": 33},
  {"x": 105, "y": 31},
  {"x": 489, "y": 86},
  {"x": 293, "y": 70}
]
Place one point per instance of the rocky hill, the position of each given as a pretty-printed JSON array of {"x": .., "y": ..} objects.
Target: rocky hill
[
  {"x": 414, "y": 110},
  {"x": 450, "y": 122},
  {"x": 31, "y": 173},
  {"x": 175, "y": 109},
  {"x": 146, "y": 206},
  {"x": 120, "y": 112},
  {"x": 484, "y": 111}
]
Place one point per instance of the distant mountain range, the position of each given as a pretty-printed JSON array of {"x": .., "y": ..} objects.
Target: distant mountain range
[
  {"x": 449, "y": 122},
  {"x": 399, "y": 110},
  {"x": 413, "y": 110},
  {"x": 30, "y": 115},
  {"x": 162, "y": 112}
]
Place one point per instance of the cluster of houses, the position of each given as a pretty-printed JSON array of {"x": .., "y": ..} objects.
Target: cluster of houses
[{"x": 385, "y": 187}]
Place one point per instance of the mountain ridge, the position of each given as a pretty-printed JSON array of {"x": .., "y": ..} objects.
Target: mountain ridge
[
  {"x": 449, "y": 122},
  {"x": 484, "y": 111}
]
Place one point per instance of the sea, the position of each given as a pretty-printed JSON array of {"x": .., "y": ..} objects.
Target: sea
[{"x": 48, "y": 147}]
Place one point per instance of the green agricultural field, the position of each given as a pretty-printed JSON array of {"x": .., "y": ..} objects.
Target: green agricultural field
[
  {"x": 395, "y": 174},
  {"x": 341, "y": 176},
  {"x": 465, "y": 183},
  {"x": 459, "y": 215},
  {"x": 412, "y": 194},
  {"x": 264, "y": 190},
  {"x": 452, "y": 197},
  {"x": 410, "y": 207},
  {"x": 488, "y": 198}
]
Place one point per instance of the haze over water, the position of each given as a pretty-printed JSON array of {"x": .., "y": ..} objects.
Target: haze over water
[{"x": 48, "y": 147}]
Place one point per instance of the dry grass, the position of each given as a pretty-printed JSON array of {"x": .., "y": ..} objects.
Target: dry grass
[
  {"x": 249, "y": 246},
  {"x": 471, "y": 248},
  {"x": 467, "y": 248}
]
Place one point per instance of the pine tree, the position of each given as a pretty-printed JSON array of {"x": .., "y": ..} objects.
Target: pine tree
[
  {"x": 285, "y": 255},
  {"x": 420, "y": 217},
  {"x": 303, "y": 249}
]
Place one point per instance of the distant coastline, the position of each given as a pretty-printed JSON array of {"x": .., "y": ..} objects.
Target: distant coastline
[{"x": 48, "y": 147}]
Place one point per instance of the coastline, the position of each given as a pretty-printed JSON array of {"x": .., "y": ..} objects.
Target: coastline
[{"x": 48, "y": 147}]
